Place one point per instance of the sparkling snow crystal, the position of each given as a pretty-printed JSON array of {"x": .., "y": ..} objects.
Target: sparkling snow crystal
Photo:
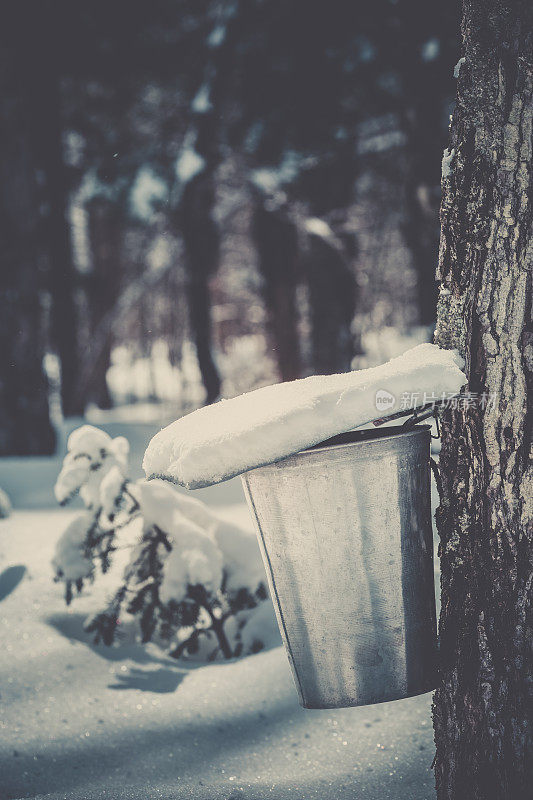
[{"x": 233, "y": 436}]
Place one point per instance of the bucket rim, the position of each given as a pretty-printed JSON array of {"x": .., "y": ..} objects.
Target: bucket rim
[
  {"x": 365, "y": 436},
  {"x": 341, "y": 441}
]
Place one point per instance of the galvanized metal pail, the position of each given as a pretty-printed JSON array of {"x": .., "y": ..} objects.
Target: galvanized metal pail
[{"x": 345, "y": 533}]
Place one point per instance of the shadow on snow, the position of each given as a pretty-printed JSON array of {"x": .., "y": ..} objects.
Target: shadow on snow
[{"x": 10, "y": 579}]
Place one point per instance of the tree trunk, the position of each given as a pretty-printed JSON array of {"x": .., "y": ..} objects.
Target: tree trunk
[
  {"x": 62, "y": 277},
  {"x": 327, "y": 189},
  {"x": 106, "y": 226},
  {"x": 483, "y": 707},
  {"x": 24, "y": 415},
  {"x": 276, "y": 241},
  {"x": 47, "y": 19},
  {"x": 201, "y": 239},
  {"x": 420, "y": 229},
  {"x": 197, "y": 192},
  {"x": 332, "y": 293},
  {"x": 422, "y": 118}
]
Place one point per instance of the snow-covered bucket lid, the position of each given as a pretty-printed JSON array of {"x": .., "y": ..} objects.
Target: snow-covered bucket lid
[{"x": 233, "y": 436}]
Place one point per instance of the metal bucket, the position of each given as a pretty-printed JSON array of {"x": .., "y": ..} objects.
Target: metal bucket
[{"x": 345, "y": 533}]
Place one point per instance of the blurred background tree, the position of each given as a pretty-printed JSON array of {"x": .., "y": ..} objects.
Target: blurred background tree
[{"x": 200, "y": 197}]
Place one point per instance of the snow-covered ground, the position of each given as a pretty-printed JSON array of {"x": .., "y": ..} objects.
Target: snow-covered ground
[{"x": 82, "y": 722}]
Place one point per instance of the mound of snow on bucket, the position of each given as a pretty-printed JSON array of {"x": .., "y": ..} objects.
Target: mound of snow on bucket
[{"x": 227, "y": 438}]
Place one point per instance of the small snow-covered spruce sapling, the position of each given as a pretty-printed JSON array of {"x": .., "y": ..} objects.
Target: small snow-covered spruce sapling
[
  {"x": 91, "y": 457},
  {"x": 193, "y": 581}
]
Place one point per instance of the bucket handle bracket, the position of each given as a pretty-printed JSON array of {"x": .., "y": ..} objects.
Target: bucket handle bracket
[{"x": 417, "y": 416}]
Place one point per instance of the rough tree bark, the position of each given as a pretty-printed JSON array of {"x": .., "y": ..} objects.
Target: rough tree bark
[
  {"x": 24, "y": 415},
  {"x": 483, "y": 714}
]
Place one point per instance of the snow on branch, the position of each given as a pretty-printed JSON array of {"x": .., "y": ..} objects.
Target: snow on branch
[
  {"x": 91, "y": 453},
  {"x": 193, "y": 581}
]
